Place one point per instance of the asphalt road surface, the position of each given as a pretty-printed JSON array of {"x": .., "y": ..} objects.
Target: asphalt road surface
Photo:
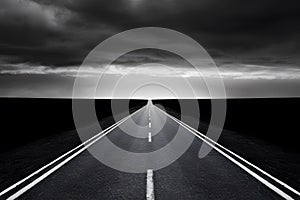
[{"x": 152, "y": 136}]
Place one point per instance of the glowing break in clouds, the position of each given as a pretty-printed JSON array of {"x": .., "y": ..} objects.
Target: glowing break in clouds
[
  {"x": 241, "y": 81},
  {"x": 228, "y": 71}
]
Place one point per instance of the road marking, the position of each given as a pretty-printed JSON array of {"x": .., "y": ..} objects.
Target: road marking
[
  {"x": 46, "y": 174},
  {"x": 54, "y": 161},
  {"x": 259, "y": 178},
  {"x": 150, "y": 185},
  {"x": 149, "y": 137},
  {"x": 149, "y": 134}
]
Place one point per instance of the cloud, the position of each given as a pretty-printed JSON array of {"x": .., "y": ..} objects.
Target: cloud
[
  {"x": 254, "y": 72},
  {"x": 62, "y": 32},
  {"x": 229, "y": 72},
  {"x": 252, "y": 42},
  {"x": 39, "y": 33}
]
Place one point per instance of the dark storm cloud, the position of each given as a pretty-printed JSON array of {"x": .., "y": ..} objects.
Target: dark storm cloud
[
  {"x": 230, "y": 29},
  {"x": 141, "y": 56},
  {"x": 41, "y": 34},
  {"x": 62, "y": 32}
]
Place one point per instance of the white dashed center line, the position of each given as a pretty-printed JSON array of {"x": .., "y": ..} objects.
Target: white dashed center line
[
  {"x": 149, "y": 137},
  {"x": 150, "y": 185}
]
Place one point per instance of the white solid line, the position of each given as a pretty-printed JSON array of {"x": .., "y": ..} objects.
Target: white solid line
[
  {"x": 247, "y": 162},
  {"x": 150, "y": 185},
  {"x": 262, "y": 180},
  {"x": 46, "y": 174},
  {"x": 54, "y": 161},
  {"x": 149, "y": 137},
  {"x": 244, "y": 160}
]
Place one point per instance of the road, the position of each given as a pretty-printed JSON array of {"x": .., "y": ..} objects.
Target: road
[{"x": 79, "y": 175}]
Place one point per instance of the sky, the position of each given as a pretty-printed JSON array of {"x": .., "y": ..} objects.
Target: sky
[{"x": 255, "y": 44}]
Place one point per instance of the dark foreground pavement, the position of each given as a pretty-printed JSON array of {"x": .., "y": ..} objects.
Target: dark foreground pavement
[{"x": 213, "y": 177}]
